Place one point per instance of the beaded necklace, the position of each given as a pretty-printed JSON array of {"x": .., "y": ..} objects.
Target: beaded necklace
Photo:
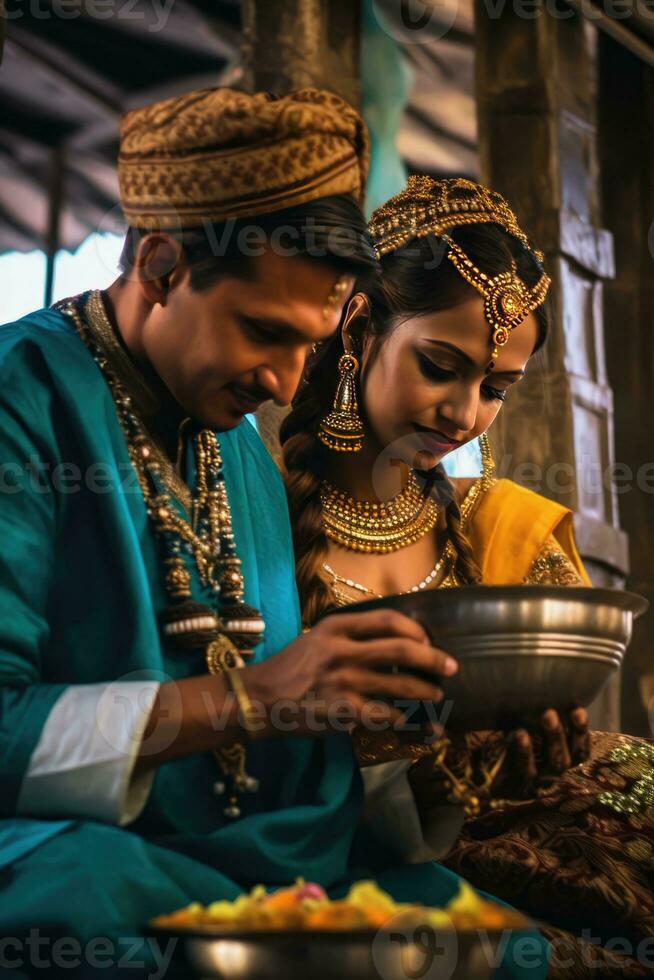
[
  {"x": 377, "y": 528},
  {"x": 343, "y": 599},
  {"x": 447, "y": 559},
  {"x": 225, "y": 629}
]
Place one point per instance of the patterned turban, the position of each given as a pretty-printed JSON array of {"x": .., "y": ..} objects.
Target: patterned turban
[{"x": 217, "y": 154}]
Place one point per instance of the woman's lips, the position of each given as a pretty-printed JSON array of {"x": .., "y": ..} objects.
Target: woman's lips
[{"x": 435, "y": 441}]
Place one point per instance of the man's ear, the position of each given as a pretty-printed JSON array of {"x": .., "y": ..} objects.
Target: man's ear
[
  {"x": 159, "y": 265},
  {"x": 354, "y": 326}
]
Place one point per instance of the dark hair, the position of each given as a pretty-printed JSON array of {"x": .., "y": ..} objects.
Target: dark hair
[
  {"x": 330, "y": 229},
  {"x": 416, "y": 279}
]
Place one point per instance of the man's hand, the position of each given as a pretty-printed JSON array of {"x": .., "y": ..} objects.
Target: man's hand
[{"x": 339, "y": 675}]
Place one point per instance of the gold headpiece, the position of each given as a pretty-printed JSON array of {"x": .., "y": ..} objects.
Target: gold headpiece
[{"x": 433, "y": 207}]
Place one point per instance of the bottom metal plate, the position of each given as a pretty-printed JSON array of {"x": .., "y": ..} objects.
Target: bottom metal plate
[{"x": 388, "y": 954}]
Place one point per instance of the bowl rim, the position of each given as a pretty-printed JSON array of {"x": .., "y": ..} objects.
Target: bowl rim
[
  {"x": 354, "y": 936},
  {"x": 614, "y": 598}
]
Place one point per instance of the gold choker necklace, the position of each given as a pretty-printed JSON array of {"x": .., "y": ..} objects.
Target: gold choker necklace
[{"x": 377, "y": 528}]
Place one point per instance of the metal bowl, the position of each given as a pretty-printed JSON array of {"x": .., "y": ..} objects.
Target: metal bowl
[
  {"x": 521, "y": 649},
  {"x": 362, "y": 955}
]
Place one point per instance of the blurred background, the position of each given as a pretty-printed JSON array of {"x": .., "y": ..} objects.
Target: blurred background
[{"x": 550, "y": 102}]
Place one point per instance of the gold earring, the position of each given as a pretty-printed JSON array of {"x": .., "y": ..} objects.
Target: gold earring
[
  {"x": 487, "y": 461},
  {"x": 342, "y": 430}
]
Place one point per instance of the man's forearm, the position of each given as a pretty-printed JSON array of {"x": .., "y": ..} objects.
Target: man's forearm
[{"x": 189, "y": 716}]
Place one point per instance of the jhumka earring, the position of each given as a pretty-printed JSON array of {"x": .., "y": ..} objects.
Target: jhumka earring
[
  {"x": 342, "y": 430},
  {"x": 487, "y": 461}
]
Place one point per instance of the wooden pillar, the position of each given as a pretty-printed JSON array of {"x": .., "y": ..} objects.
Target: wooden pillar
[
  {"x": 3, "y": 28},
  {"x": 291, "y": 44},
  {"x": 536, "y": 96},
  {"x": 626, "y": 130},
  {"x": 55, "y": 203}
]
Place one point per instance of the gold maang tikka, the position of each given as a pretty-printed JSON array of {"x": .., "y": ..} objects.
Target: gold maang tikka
[
  {"x": 342, "y": 430},
  {"x": 433, "y": 207}
]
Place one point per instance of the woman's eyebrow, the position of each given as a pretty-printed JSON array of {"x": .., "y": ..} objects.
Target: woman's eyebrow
[
  {"x": 453, "y": 349},
  {"x": 517, "y": 374}
]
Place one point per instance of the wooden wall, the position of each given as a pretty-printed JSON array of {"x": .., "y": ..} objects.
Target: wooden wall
[
  {"x": 626, "y": 142},
  {"x": 536, "y": 98}
]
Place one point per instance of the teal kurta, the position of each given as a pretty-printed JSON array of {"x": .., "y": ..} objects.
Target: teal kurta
[{"x": 80, "y": 590}]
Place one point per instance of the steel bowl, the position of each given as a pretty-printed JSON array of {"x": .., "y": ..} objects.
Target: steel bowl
[
  {"x": 385, "y": 954},
  {"x": 521, "y": 649}
]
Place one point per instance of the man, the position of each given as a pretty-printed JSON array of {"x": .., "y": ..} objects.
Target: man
[{"x": 143, "y": 556}]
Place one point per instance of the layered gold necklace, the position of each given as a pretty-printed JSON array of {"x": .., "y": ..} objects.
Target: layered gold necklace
[
  {"x": 378, "y": 528},
  {"x": 444, "y": 565}
]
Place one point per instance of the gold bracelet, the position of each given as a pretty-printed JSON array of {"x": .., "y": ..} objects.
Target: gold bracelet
[
  {"x": 475, "y": 798},
  {"x": 246, "y": 709}
]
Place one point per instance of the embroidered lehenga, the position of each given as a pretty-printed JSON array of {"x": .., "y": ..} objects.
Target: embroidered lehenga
[{"x": 579, "y": 855}]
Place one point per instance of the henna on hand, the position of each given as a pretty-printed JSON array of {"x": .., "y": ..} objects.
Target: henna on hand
[{"x": 557, "y": 752}]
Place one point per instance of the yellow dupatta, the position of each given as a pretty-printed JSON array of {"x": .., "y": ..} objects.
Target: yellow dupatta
[{"x": 509, "y": 528}]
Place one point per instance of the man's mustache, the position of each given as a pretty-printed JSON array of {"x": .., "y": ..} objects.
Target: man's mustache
[{"x": 257, "y": 394}]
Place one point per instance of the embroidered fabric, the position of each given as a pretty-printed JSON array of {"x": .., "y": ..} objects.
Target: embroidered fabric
[{"x": 552, "y": 567}]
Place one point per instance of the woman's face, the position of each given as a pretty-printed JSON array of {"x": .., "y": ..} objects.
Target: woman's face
[{"x": 429, "y": 380}]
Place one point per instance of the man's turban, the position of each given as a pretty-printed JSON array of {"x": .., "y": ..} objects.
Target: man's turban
[{"x": 217, "y": 154}]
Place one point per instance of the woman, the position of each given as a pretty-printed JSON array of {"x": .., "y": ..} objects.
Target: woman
[
  {"x": 418, "y": 350},
  {"x": 422, "y": 364}
]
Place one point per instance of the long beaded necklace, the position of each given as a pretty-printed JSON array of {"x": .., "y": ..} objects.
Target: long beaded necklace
[
  {"x": 343, "y": 599},
  {"x": 378, "y": 528},
  {"x": 227, "y": 630}
]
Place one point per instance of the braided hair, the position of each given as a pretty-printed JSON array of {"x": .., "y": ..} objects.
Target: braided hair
[{"x": 412, "y": 281}]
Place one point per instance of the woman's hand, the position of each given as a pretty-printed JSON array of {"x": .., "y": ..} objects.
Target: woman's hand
[
  {"x": 338, "y": 675},
  {"x": 481, "y": 768},
  {"x": 533, "y": 765}
]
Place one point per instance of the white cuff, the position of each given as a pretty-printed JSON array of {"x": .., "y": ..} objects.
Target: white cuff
[{"x": 83, "y": 763}]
